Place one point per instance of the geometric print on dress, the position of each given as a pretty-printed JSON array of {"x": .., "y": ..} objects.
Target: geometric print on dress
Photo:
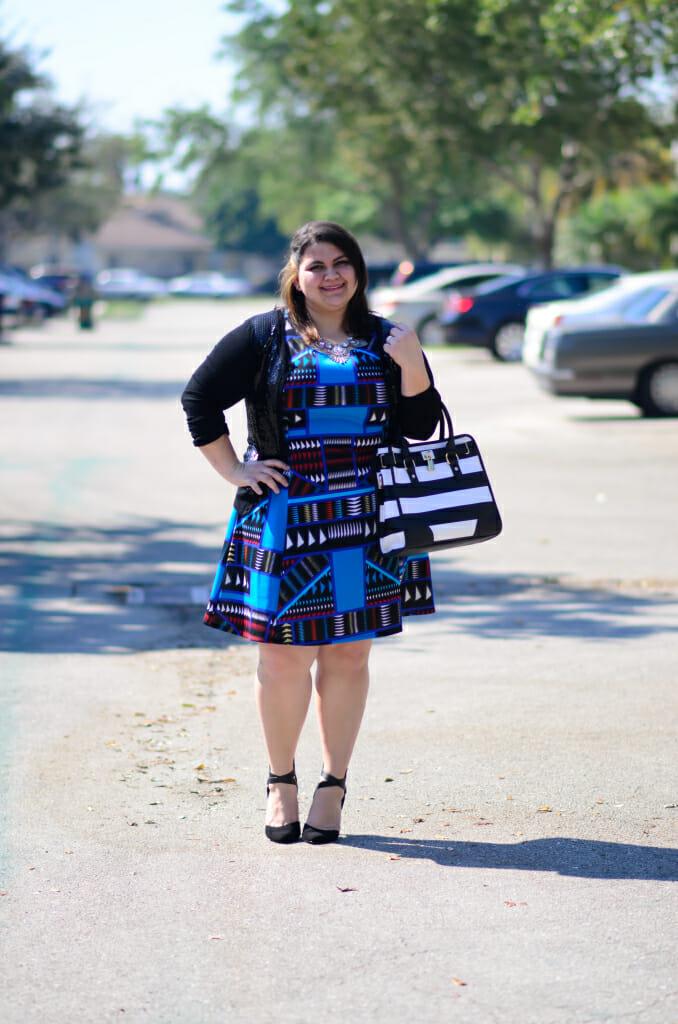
[
  {"x": 330, "y": 536},
  {"x": 307, "y": 465},
  {"x": 251, "y": 527},
  {"x": 417, "y": 587},
  {"x": 321, "y": 577},
  {"x": 259, "y": 559},
  {"x": 297, "y": 573},
  {"x": 368, "y": 365},
  {"x": 321, "y": 396},
  {"x": 317, "y": 598},
  {"x": 323, "y": 510},
  {"x": 380, "y": 620},
  {"x": 340, "y": 462},
  {"x": 303, "y": 369},
  {"x": 380, "y": 585},
  {"x": 234, "y": 617}
]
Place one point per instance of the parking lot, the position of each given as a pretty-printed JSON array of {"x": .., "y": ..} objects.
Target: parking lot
[{"x": 510, "y": 844}]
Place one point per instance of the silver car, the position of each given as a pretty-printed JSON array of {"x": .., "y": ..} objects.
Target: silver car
[
  {"x": 420, "y": 303},
  {"x": 627, "y": 350}
]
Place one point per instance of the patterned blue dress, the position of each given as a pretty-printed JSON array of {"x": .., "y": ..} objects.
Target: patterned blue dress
[{"x": 304, "y": 567}]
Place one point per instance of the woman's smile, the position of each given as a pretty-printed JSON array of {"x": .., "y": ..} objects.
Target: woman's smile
[{"x": 326, "y": 275}]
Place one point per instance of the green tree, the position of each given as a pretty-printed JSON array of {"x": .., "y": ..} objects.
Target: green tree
[
  {"x": 434, "y": 102},
  {"x": 91, "y": 191},
  {"x": 40, "y": 140},
  {"x": 223, "y": 170},
  {"x": 636, "y": 227}
]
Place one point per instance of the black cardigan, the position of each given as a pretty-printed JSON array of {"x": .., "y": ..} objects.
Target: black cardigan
[{"x": 251, "y": 363}]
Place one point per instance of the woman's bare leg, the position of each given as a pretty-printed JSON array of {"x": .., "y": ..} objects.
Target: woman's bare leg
[
  {"x": 342, "y": 681},
  {"x": 283, "y": 693}
]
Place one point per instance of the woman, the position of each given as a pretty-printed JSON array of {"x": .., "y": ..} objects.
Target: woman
[{"x": 301, "y": 573}]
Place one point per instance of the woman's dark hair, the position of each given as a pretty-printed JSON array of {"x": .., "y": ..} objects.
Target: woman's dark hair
[{"x": 357, "y": 312}]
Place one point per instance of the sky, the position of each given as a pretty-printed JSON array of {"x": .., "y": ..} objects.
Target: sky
[{"x": 129, "y": 58}]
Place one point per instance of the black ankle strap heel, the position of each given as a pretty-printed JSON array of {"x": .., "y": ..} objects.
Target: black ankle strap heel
[
  {"x": 320, "y": 836},
  {"x": 290, "y": 833}
]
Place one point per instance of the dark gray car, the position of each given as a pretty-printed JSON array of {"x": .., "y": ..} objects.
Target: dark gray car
[{"x": 630, "y": 354}]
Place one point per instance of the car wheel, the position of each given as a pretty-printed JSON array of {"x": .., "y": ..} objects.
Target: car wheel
[
  {"x": 430, "y": 331},
  {"x": 507, "y": 344},
  {"x": 658, "y": 390}
]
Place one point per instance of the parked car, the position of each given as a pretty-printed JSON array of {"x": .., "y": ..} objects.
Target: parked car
[
  {"x": 493, "y": 315},
  {"x": 599, "y": 304},
  {"x": 210, "y": 286},
  {"x": 420, "y": 303},
  {"x": 61, "y": 279},
  {"x": 25, "y": 298},
  {"x": 394, "y": 273},
  {"x": 630, "y": 352},
  {"x": 127, "y": 283}
]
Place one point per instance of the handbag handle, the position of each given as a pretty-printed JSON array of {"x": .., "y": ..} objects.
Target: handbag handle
[{"x": 445, "y": 433}]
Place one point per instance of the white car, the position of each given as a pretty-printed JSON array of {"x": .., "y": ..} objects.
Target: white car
[
  {"x": 127, "y": 283},
  {"x": 540, "y": 319},
  {"x": 210, "y": 285},
  {"x": 420, "y": 303}
]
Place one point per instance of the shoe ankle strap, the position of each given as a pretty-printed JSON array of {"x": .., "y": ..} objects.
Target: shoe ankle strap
[
  {"x": 290, "y": 778},
  {"x": 331, "y": 780}
]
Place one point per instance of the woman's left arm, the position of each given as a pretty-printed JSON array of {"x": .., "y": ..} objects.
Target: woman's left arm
[
  {"x": 402, "y": 345},
  {"x": 419, "y": 402}
]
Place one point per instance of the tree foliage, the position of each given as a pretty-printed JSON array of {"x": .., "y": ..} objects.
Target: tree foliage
[
  {"x": 636, "y": 227},
  {"x": 90, "y": 192},
  {"x": 225, "y": 172},
  {"x": 40, "y": 140},
  {"x": 425, "y": 107}
]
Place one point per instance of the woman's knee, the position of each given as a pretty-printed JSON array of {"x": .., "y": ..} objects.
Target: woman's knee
[
  {"x": 348, "y": 658},
  {"x": 278, "y": 664}
]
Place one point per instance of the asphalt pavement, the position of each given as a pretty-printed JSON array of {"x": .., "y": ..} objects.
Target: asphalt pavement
[{"x": 508, "y": 850}]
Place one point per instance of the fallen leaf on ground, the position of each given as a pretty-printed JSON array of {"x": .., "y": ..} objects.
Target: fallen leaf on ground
[
  {"x": 458, "y": 981},
  {"x": 544, "y": 810},
  {"x": 388, "y": 779},
  {"x": 199, "y": 768},
  {"x": 520, "y": 903},
  {"x": 347, "y": 889},
  {"x": 405, "y": 830},
  {"x": 394, "y": 856},
  {"x": 406, "y": 771}
]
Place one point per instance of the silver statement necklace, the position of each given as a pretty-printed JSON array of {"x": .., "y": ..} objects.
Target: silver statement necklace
[{"x": 338, "y": 351}]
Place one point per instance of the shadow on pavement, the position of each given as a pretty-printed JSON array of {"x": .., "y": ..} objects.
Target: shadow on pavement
[
  {"x": 94, "y": 390},
  {"x": 93, "y": 590},
  {"x": 580, "y": 858},
  {"x": 523, "y": 605}
]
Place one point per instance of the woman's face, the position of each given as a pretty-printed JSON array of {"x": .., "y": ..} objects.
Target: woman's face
[{"x": 327, "y": 279}]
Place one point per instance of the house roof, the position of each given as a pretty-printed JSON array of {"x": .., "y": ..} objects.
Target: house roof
[{"x": 153, "y": 222}]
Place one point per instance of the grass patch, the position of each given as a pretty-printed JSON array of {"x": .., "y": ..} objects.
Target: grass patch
[{"x": 120, "y": 309}]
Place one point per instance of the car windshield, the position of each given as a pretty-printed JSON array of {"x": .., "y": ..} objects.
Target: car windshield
[
  {"x": 641, "y": 304},
  {"x": 498, "y": 283}
]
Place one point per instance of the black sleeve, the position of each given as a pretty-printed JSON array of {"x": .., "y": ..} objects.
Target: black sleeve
[
  {"x": 223, "y": 379},
  {"x": 418, "y": 415}
]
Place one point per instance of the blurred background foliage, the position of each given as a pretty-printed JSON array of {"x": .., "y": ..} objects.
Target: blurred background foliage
[{"x": 532, "y": 129}]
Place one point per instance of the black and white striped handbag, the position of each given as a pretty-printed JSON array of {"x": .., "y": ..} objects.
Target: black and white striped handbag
[{"x": 433, "y": 494}]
